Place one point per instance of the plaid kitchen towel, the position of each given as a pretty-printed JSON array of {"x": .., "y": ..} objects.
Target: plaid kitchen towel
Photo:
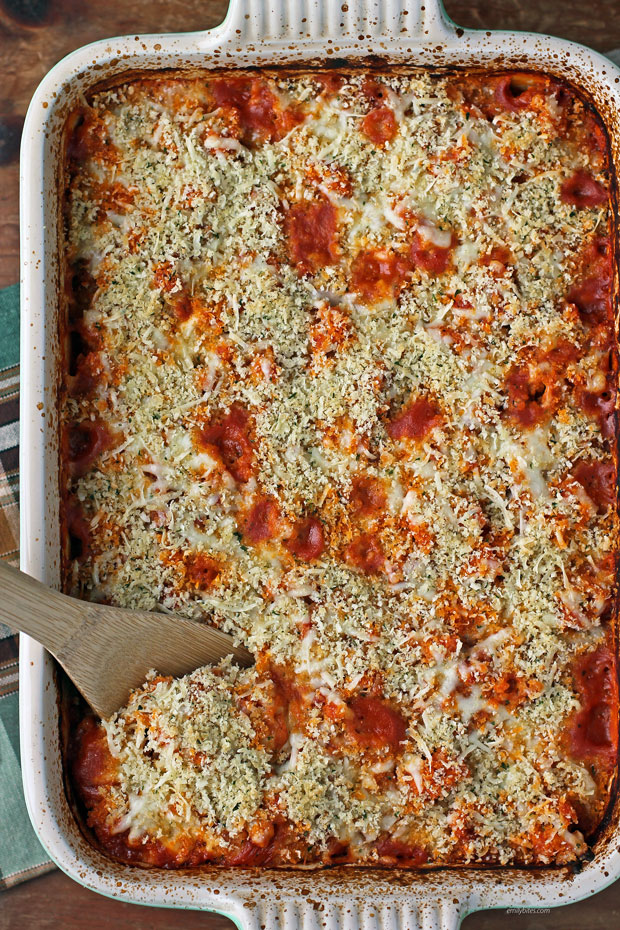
[{"x": 21, "y": 854}]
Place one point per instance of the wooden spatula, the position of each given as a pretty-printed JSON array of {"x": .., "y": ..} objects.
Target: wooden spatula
[{"x": 107, "y": 651}]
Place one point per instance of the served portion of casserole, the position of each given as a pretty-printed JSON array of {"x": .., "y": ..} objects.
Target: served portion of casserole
[{"x": 340, "y": 380}]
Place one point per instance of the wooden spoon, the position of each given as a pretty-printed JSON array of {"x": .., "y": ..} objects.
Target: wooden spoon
[{"x": 107, "y": 651}]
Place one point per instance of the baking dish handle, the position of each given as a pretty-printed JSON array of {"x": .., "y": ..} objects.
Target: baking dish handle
[
  {"x": 335, "y": 21},
  {"x": 351, "y": 915}
]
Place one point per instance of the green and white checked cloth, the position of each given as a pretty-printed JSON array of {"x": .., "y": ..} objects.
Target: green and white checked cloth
[{"x": 21, "y": 854}]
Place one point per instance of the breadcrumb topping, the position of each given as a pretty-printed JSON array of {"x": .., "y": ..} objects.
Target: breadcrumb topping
[{"x": 341, "y": 382}]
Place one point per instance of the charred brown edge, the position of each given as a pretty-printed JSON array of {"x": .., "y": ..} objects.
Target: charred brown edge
[{"x": 68, "y": 699}]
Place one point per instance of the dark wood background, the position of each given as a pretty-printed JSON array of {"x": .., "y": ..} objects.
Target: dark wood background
[{"x": 34, "y": 35}]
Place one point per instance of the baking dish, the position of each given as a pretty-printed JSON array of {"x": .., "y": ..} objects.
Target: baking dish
[{"x": 253, "y": 34}]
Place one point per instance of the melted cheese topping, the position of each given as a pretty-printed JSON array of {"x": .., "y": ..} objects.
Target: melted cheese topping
[{"x": 340, "y": 386}]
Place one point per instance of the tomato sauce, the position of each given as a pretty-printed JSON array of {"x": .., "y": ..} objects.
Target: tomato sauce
[
  {"x": 593, "y": 295},
  {"x": 497, "y": 260},
  {"x": 376, "y": 724},
  {"x": 85, "y": 443},
  {"x": 601, "y": 406},
  {"x": 114, "y": 198},
  {"x": 281, "y": 837},
  {"x": 228, "y": 438},
  {"x": 368, "y": 496},
  {"x": 516, "y": 92},
  {"x": 535, "y": 388},
  {"x": 493, "y": 95},
  {"x": 93, "y": 764},
  {"x": 531, "y": 401},
  {"x": 598, "y": 479},
  {"x": 581, "y": 190},
  {"x": 183, "y": 307},
  {"x": 380, "y": 126},
  {"x": 260, "y": 115},
  {"x": 595, "y": 134},
  {"x": 562, "y": 354},
  {"x": 276, "y": 717},
  {"x": 593, "y": 299},
  {"x": 82, "y": 341},
  {"x": 378, "y": 274},
  {"x": 85, "y": 364},
  {"x": 308, "y": 540},
  {"x": 82, "y": 288},
  {"x": 90, "y": 139},
  {"x": 594, "y": 732},
  {"x": 499, "y": 253},
  {"x": 330, "y": 82},
  {"x": 268, "y": 709},
  {"x": 310, "y": 227},
  {"x": 261, "y": 523},
  {"x": 89, "y": 373},
  {"x": 184, "y": 850},
  {"x": 366, "y": 554},
  {"x": 331, "y": 178},
  {"x": 248, "y": 854},
  {"x": 415, "y": 420},
  {"x": 431, "y": 258},
  {"x": 201, "y": 570},
  {"x": 338, "y": 851},
  {"x": 78, "y": 530},
  {"x": 398, "y": 852},
  {"x": 375, "y": 91},
  {"x": 329, "y": 331}
]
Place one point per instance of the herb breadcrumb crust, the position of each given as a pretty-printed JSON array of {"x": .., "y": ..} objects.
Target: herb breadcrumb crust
[{"x": 341, "y": 381}]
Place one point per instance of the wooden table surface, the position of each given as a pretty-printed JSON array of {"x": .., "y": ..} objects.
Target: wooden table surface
[{"x": 34, "y": 35}]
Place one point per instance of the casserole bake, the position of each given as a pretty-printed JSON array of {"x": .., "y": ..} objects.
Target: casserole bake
[
  {"x": 308, "y": 400},
  {"x": 416, "y": 896}
]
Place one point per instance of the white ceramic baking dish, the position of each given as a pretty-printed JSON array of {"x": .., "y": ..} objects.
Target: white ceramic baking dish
[{"x": 409, "y": 32}]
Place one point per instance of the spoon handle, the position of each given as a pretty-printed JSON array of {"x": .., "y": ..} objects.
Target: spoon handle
[{"x": 31, "y": 607}]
